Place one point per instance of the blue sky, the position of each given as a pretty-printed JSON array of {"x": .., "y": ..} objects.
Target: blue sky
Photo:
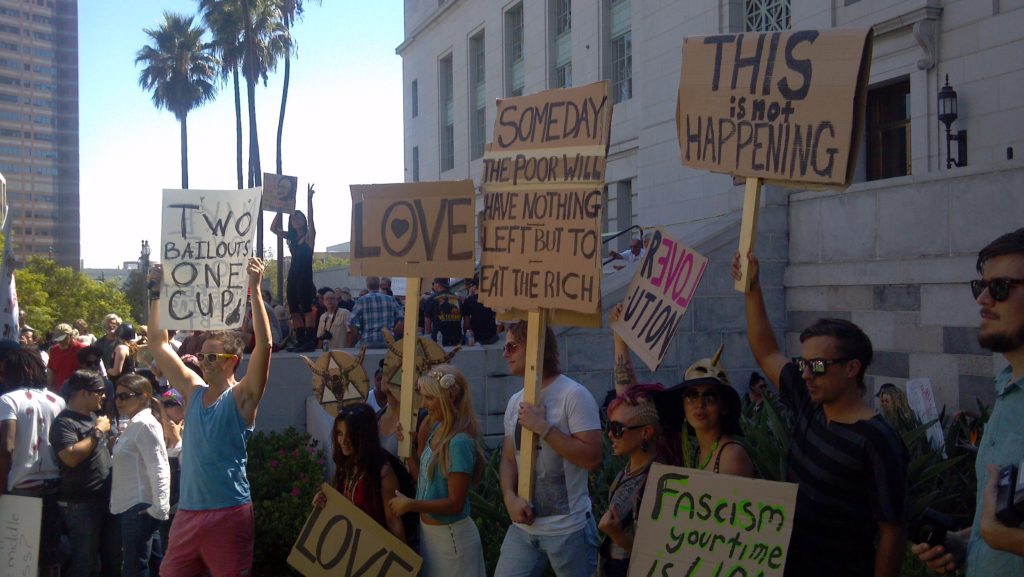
[{"x": 343, "y": 123}]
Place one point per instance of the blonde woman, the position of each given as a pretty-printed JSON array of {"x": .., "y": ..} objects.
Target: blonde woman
[{"x": 450, "y": 462}]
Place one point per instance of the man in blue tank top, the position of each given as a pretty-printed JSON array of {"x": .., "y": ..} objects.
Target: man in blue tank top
[{"x": 212, "y": 532}]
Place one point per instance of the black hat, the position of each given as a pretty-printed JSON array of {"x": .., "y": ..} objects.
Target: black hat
[
  {"x": 125, "y": 332},
  {"x": 442, "y": 281},
  {"x": 670, "y": 405}
]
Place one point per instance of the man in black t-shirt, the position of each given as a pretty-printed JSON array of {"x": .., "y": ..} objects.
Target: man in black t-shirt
[
  {"x": 477, "y": 317},
  {"x": 850, "y": 465},
  {"x": 79, "y": 439},
  {"x": 443, "y": 313}
]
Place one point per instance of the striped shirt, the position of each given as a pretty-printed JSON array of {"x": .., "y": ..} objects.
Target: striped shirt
[{"x": 851, "y": 477}]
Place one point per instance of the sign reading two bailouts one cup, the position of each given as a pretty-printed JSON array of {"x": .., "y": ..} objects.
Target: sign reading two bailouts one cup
[
  {"x": 785, "y": 107},
  {"x": 205, "y": 245}
]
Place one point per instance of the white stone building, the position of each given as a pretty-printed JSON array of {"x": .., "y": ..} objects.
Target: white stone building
[{"x": 893, "y": 252}]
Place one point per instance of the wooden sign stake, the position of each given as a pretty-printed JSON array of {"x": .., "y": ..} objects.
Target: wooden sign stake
[
  {"x": 748, "y": 229},
  {"x": 536, "y": 325},
  {"x": 409, "y": 343}
]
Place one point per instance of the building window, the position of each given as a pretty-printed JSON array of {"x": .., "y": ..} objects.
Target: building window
[
  {"x": 766, "y": 15},
  {"x": 446, "y": 113},
  {"x": 888, "y": 130},
  {"x": 415, "y": 98},
  {"x": 514, "y": 61},
  {"x": 477, "y": 96},
  {"x": 561, "y": 16},
  {"x": 415, "y": 164},
  {"x": 621, "y": 50}
]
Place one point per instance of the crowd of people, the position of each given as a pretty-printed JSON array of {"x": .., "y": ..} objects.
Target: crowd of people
[{"x": 103, "y": 428}]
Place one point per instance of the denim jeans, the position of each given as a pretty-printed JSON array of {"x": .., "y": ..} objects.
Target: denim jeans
[
  {"x": 93, "y": 532},
  {"x": 140, "y": 540},
  {"x": 570, "y": 555}
]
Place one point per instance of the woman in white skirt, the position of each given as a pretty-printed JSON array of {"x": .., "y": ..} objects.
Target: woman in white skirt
[{"x": 451, "y": 461}]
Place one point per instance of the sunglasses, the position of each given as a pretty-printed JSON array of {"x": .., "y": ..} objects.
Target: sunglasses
[
  {"x": 125, "y": 396},
  {"x": 617, "y": 429},
  {"x": 511, "y": 347},
  {"x": 817, "y": 366},
  {"x": 212, "y": 357},
  {"x": 999, "y": 288},
  {"x": 693, "y": 395}
]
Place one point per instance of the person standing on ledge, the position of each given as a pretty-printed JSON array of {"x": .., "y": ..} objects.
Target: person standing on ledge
[
  {"x": 213, "y": 529},
  {"x": 300, "y": 292}
]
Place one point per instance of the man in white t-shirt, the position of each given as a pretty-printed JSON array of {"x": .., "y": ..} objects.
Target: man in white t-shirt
[
  {"x": 557, "y": 527},
  {"x": 28, "y": 466}
]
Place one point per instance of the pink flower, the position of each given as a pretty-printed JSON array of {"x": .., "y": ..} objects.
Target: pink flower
[
  {"x": 320, "y": 461},
  {"x": 273, "y": 464},
  {"x": 296, "y": 492}
]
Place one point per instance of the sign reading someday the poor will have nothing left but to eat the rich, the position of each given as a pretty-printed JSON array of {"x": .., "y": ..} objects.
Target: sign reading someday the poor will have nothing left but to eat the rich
[
  {"x": 540, "y": 230},
  {"x": 205, "y": 245}
]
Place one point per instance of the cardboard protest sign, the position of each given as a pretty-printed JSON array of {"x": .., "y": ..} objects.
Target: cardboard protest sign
[
  {"x": 420, "y": 229},
  {"x": 921, "y": 399},
  {"x": 782, "y": 106},
  {"x": 205, "y": 245},
  {"x": 540, "y": 231},
  {"x": 658, "y": 296},
  {"x": 20, "y": 524},
  {"x": 551, "y": 139},
  {"x": 541, "y": 249},
  {"x": 696, "y": 524},
  {"x": 279, "y": 192},
  {"x": 340, "y": 540}
]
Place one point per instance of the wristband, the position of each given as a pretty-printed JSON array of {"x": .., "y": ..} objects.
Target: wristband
[
  {"x": 547, "y": 431},
  {"x": 97, "y": 433}
]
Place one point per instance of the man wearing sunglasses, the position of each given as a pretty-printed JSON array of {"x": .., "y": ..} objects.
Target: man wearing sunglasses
[
  {"x": 990, "y": 547},
  {"x": 557, "y": 527},
  {"x": 212, "y": 531},
  {"x": 850, "y": 465}
]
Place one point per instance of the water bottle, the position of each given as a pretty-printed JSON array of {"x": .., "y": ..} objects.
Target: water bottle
[
  {"x": 469, "y": 337},
  {"x": 327, "y": 345}
]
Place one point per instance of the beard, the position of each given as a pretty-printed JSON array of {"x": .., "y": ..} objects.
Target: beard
[{"x": 1002, "y": 342}]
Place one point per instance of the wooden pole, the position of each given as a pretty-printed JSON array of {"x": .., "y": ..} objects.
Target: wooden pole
[
  {"x": 536, "y": 323},
  {"x": 748, "y": 229},
  {"x": 409, "y": 342}
]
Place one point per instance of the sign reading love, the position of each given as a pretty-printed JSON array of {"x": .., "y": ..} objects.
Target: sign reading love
[{"x": 415, "y": 229}]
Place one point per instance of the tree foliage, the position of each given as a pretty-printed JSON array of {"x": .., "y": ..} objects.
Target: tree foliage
[{"x": 53, "y": 294}]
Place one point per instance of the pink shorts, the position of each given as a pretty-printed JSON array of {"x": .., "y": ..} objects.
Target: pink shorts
[{"x": 218, "y": 542}]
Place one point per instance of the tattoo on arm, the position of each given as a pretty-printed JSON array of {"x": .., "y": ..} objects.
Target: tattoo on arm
[{"x": 624, "y": 375}]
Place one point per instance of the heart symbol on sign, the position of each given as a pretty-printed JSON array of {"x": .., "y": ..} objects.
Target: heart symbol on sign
[{"x": 399, "y": 227}]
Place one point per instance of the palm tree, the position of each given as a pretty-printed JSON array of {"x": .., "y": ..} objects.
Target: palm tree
[
  {"x": 179, "y": 69},
  {"x": 290, "y": 11},
  {"x": 224, "y": 19}
]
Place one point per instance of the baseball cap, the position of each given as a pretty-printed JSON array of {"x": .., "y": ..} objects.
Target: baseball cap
[
  {"x": 172, "y": 398},
  {"x": 62, "y": 332},
  {"x": 442, "y": 281}
]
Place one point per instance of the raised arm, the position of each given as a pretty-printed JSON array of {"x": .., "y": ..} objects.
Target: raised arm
[
  {"x": 275, "y": 226},
  {"x": 254, "y": 383},
  {"x": 311, "y": 229},
  {"x": 178, "y": 375},
  {"x": 624, "y": 373},
  {"x": 759, "y": 330}
]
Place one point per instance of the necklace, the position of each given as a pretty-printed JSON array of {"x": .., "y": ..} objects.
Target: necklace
[
  {"x": 350, "y": 487},
  {"x": 711, "y": 453}
]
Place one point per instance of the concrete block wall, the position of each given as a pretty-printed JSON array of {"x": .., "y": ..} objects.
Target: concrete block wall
[{"x": 896, "y": 257}]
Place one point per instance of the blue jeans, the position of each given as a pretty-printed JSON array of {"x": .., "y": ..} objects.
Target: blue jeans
[
  {"x": 570, "y": 555},
  {"x": 140, "y": 540},
  {"x": 93, "y": 531}
]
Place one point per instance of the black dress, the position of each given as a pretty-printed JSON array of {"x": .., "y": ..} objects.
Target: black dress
[{"x": 300, "y": 289}]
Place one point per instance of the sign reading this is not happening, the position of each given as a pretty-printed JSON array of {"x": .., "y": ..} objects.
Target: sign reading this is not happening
[
  {"x": 205, "y": 245},
  {"x": 658, "y": 296},
  {"x": 783, "y": 106},
  {"x": 413, "y": 229},
  {"x": 540, "y": 230},
  {"x": 698, "y": 524},
  {"x": 340, "y": 540}
]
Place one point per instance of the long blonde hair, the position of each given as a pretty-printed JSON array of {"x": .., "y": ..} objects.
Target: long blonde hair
[{"x": 448, "y": 385}]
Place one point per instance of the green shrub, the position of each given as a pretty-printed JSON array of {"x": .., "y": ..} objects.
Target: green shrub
[{"x": 285, "y": 470}]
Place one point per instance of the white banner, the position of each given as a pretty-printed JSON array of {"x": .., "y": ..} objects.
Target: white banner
[
  {"x": 205, "y": 245},
  {"x": 21, "y": 520}
]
